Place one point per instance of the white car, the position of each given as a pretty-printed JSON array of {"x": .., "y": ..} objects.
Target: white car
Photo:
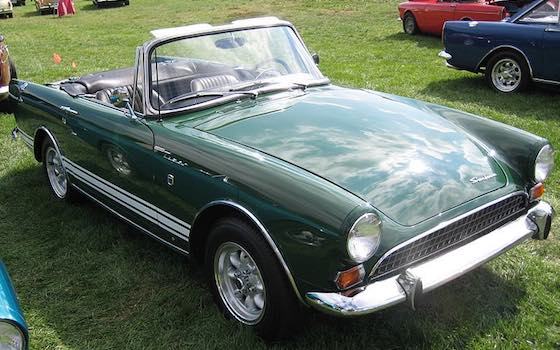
[{"x": 6, "y": 8}]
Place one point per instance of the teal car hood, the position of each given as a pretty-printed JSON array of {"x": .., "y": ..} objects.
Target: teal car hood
[{"x": 405, "y": 160}]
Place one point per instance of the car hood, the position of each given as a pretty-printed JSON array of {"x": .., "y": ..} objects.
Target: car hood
[{"x": 400, "y": 156}]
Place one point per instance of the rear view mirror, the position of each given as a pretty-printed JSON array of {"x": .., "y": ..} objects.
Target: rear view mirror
[{"x": 230, "y": 43}]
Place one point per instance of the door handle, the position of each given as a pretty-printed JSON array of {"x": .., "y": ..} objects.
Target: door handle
[
  {"x": 69, "y": 110},
  {"x": 554, "y": 30}
]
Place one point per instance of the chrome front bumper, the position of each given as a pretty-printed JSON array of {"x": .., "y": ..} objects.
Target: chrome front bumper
[
  {"x": 443, "y": 54},
  {"x": 433, "y": 273}
]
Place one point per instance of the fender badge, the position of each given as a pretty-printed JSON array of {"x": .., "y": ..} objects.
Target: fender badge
[{"x": 477, "y": 179}]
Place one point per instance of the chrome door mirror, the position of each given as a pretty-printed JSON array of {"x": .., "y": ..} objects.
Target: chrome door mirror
[
  {"x": 316, "y": 58},
  {"x": 129, "y": 113}
]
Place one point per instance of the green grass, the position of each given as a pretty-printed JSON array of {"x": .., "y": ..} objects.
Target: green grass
[{"x": 85, "y": 280}]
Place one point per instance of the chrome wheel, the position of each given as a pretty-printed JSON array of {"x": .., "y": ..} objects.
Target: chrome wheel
[
  {"x": 56, "y": 172},
  {"x": 239, "y": 283},
  {"x": 506, "y": 75},
  {"x": 118, "y": 161}
]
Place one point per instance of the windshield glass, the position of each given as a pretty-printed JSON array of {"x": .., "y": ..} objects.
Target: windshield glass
[
  {"x": 190, "y": 71},
  {"x": 546, "y": 13}
]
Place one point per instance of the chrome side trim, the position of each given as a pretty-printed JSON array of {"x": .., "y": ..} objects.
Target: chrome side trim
[
  {"x": 553, "y": 82},
  {"x": 145, "y": 209},
  {"x": 28, "y": 140},
  {"x": 440, "y": 226},
  {"x": 428, "y": 275},
  {"x": 129, "y": 221},
  {"x": 507, "y": 47},
  {"x": 264, "y": 232}
]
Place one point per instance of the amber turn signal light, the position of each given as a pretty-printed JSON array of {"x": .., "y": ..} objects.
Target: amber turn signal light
[
  {"x": 537, "y": 191},
  {"x": 350, "y": 277}
]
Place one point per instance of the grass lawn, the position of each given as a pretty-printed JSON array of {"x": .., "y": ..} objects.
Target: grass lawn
[{"x": 85, "y": 280}]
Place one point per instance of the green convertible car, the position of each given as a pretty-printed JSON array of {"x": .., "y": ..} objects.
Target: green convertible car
[{"x": 227, "y": 144}]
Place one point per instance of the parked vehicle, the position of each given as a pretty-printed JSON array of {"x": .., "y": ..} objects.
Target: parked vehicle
[
  {"x": 512, "y": 53},
  {"x": 6, "y": 9},
  {"x": 228, "y": 144},
  {"x": 100, "y": 3},
  {"x": 46, "y": 6},
  {"x": 14, "y": 334},
  {"x": 428, "y": 16}
]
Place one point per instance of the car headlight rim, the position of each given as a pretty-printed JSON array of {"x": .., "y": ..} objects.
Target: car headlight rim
[
  {"x": 544, "y": 163},
  {"x": 361, "y": 245},
  {"x": 16, "y": 337}
]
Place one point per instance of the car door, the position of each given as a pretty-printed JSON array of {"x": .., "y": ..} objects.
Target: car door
[
  {"x": 108, "y": 154},
  {"x": 551, "y": 45},
  {"x": 437, "y": 13},
  {"x": 541, "y": 33}
]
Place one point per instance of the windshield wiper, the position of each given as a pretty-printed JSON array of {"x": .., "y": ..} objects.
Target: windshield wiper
[{"x": 216, "y": 94}]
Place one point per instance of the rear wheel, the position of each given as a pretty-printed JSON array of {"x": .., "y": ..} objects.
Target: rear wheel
[
  {"x": 409, "y": 24},
  {"x": 507, "y": 72},
  {"x": 247, "y": 282}
]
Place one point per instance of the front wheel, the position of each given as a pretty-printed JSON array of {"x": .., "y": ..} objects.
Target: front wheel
[
  {"x": 507, "y": 72},
  {"x": 55, "y": 171},
  {"x": 247, "y": 281},
  {"x": 409, "y": 24}
]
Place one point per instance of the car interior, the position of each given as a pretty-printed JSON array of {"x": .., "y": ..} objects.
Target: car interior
[{"x": 171, "y": 78}]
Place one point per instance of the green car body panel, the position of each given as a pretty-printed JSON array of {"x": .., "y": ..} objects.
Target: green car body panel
[
  {"x": 301, "y": 164},
  {"x": 254, "y": 153}
]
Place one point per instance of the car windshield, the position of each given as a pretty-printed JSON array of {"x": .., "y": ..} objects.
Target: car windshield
[
  {"x": 194, "y": 70},
  {"x": 546, "y": 13}
]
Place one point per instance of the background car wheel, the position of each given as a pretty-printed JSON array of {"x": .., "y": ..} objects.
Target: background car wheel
[
  {"x": 247, "y": 282},
  {"x": 507, "y": 72},
  {"x": 9, "y": 105},
  {"x": 55, "y": 171},
  {"x": 409, "y": 24}
]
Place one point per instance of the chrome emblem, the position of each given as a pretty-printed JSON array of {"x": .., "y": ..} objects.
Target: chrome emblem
[{"x": 477, "y": 179}]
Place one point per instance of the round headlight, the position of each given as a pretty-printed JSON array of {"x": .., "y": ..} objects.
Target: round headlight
[
  {"x": 364, "y": 237},
  {"x": 11, "y": 337},
  {"x": 544, "y": 163}
]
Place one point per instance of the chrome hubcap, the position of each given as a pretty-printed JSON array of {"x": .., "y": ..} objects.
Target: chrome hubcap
[
  {"x": 239, "y": 283},
  {"x": 506, "y": 75},
  {"x": 118, "y": 161},
  {"x": 56, "y": 172}
]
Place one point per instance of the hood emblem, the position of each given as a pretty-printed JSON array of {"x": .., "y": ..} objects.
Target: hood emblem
[{"x": 477, "y": 179}]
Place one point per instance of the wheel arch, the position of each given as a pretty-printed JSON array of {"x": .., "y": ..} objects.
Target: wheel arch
[
  {"x": 42, "y": 133},
  {"x": 501, "y": 49},
  {"x": 223, "y": 208}
]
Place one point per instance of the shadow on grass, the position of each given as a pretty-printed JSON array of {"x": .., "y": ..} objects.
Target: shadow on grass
[
  {"x": 95, "y": 282},
  {"x": 92, "y": 7},
  {"x": 430, "y": 42},
  {"x": 473, "y": 89}
]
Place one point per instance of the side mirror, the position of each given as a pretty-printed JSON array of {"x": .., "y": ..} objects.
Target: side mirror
[
  {"x": 129, "y": 111},
  {"x": 315, "y": 57}
]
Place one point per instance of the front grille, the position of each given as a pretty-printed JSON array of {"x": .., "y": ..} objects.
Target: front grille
[{"x": 455, "y": 234}]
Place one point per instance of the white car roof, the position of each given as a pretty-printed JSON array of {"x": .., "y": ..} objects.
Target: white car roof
[{"x": 208, "y": 28}]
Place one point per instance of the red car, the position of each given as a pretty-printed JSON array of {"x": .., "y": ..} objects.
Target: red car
[{"x": 428, "y": 16}]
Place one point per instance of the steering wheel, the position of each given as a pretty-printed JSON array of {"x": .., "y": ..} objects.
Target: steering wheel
[{"x": 275, "y": 61}]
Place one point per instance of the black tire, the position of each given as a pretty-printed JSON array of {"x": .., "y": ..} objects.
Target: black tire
[
  {"x": 518, "y": 70},
  {"x": 280, "y": 311},
  {"x": 126, "y": 3},
  {"x": 69, "y": 194},
  {"x": 10, "y": 15},
  {"x": 409, "y": 24},
  {"x": 9, "y": 104}
]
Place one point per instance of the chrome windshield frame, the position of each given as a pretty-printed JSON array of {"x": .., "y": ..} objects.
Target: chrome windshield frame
[{"x": 149, "y": 46}]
